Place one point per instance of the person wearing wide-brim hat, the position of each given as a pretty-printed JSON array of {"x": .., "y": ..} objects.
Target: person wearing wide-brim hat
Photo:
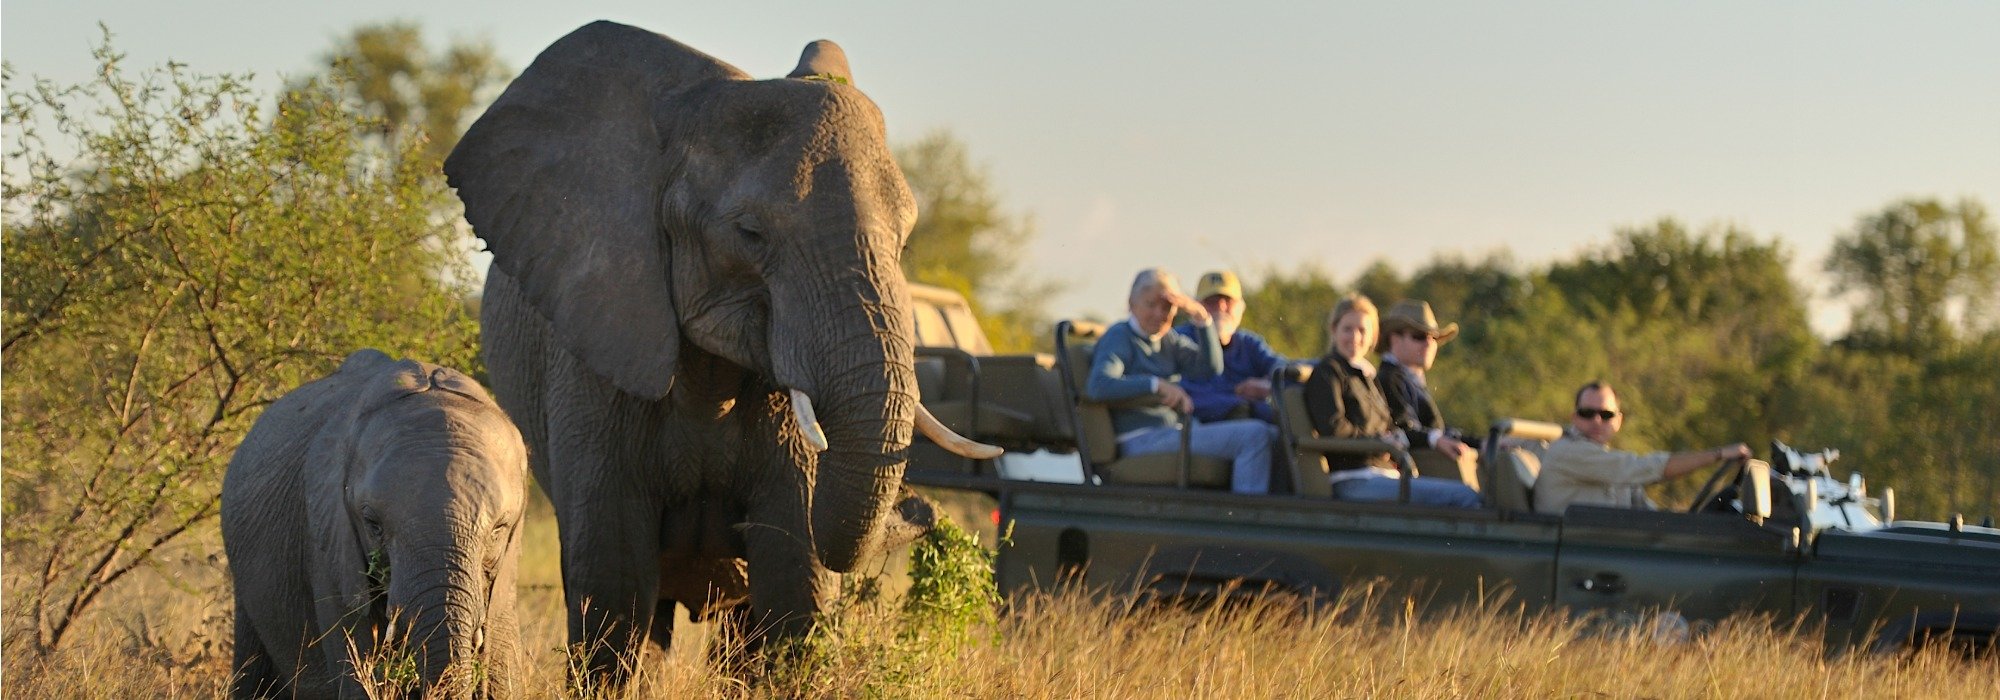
[
  {"x": 1410, "y": 339},
  {"x": 1415, "y": 315}
]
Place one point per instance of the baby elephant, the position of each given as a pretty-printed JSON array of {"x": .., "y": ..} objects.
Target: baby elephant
[{"x": 372, "y": 520}]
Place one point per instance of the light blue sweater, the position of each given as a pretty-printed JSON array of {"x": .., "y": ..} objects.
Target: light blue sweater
[{"x": 1126, "y": 363}]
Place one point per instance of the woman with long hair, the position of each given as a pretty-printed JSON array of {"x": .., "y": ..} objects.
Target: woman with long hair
[{"x": 1343, "y": 401}]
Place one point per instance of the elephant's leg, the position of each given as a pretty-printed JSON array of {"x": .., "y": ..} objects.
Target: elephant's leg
[
  {"x": 662, "y": 632},
  {"x": 788, "y": 587},
  {"x": 608, "y": 515},
  {"x": 256, "y": 674},
  {"x": 610, "y": 581},
  {"x": 611, "y": 541}
]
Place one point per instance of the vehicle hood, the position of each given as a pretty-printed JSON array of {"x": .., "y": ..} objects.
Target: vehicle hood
[{"x": 1929, "y": 544}]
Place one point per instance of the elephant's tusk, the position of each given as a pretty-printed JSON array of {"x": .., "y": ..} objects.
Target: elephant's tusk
[
  {"x": 802, "y": 413},
  {"x": 953, "y": 442}
]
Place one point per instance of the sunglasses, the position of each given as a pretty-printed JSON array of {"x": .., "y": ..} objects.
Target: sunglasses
[{"x": 1596, "y": 413}]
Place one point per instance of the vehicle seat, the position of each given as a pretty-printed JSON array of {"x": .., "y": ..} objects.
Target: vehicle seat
[
  {"x": 1517, "y": 466},
  {"x": 1309, "y": 470},
  {"x": 1437, "y": 465},
  {"x": 1031, "y": 385},
  {"x": 1511, "y": 461},
  {"x": 1098, "y": 441},
  {"x": 950, "y": 383}
]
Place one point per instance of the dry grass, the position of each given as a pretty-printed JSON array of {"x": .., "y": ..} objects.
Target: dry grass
[{"x": 170, "y": 640}]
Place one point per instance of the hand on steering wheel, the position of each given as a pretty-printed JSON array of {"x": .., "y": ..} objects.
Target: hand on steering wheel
[{"x": 1733, "y": 466}]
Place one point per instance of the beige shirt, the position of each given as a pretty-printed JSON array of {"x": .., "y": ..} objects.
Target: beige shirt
[{"x": 1578, "y": 471}]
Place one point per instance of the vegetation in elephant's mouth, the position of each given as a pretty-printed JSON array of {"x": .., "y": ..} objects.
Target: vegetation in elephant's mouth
[
  {"x": 950, "y": 604},
  {"x": 952, "y": 591}
]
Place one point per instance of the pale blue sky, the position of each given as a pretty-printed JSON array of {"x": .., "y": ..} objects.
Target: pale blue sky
[{"x": 1279, "y": 134}]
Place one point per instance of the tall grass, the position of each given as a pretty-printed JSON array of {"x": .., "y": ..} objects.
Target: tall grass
[{"x": 171, "y": 641}]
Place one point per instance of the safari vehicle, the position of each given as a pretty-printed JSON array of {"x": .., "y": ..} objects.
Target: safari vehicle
[{"x": 1783, "y": 538}]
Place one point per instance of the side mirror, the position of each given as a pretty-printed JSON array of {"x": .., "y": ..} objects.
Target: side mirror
[{"x": 1756, "y": 490}]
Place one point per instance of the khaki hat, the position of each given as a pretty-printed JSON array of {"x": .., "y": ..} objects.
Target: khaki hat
[
  {"x": 1221, "y": 282},
  {"x": 1415, "y": 314}
]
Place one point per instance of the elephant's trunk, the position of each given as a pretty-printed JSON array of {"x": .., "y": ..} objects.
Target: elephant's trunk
[
  {"x": 857, "y": 370},
  {"x": 859, "y": 474},
  {"x": 442, "y": 615}
]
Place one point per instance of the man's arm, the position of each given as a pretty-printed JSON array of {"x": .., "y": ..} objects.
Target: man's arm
[
  {"x": 1108, "y": 380},
  {"x": 1684, "y": 463},
  {"x": 1206, "y": 360},
  {"x": 1214, "y": 399},
  {"x": 1401, "y": 395},
  {"x": 1200, "y": 357},
  {"x": 1266, "y": 360}
]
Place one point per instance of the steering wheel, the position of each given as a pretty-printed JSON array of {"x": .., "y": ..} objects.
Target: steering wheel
[{"x": 1715, "y": 486}]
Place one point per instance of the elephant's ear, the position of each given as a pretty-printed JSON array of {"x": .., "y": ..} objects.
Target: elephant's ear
[
  {"x": 339, "y": 572},
  {"x": 562, "y": 178}
]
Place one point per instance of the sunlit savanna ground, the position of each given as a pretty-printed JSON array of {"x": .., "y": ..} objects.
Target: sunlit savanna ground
[{"x": 169, "y": 637}]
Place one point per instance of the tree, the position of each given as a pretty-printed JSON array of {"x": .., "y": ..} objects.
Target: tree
[
  {"x": 965, "y": 241},
  {"x": 1912, "y": 263},
  {"x": 199, "y": 256},
  {"x": 1289, "y": 309},
  {"x": 387, "y": 68},
  {"x": 1724, "y": 287},
  {"x": 1381, "y": 284},
  {"x": 1470, "y": 294}
]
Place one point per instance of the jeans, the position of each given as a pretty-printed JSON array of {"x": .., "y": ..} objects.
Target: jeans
[
  {"x": 1424, "y": 491},
  {"x": 1245, "y": 442}
]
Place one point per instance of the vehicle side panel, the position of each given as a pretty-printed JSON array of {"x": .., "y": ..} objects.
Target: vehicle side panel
[
  {"x": 1701, "y": 566},
  {"x": 1879, "y": 587},
  {"x": 1164, "y": 542}
]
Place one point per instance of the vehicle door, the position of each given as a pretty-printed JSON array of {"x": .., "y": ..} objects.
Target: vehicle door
[{"x": 1704, "y": 566}]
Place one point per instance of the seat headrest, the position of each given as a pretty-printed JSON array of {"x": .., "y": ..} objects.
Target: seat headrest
[
  {"x": 1527, "y": 464},
  {"x": 1528, "y": 429}
]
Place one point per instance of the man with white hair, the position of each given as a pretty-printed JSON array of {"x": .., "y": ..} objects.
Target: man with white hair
[{"x": 1143, "y": 357}]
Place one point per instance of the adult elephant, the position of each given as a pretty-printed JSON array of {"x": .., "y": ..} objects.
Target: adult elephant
[{"x": 694, "y": 273}]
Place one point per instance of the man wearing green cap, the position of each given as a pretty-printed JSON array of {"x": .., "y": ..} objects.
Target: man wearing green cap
[{"x": 1243, "y": 389}]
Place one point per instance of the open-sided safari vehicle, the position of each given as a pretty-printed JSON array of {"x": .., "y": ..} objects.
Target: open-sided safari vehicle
[{"x": 1785, "y": 538}]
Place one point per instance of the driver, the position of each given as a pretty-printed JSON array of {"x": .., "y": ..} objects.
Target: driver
[{"x": 1581, "y": 468}]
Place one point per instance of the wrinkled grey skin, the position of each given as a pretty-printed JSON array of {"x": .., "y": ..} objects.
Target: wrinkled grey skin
[
  {"x": 389, "y": 488},
  {"x": 676, "y": 248}
]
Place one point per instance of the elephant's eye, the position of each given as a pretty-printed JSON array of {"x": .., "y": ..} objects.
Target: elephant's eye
[
  {"x": 498, "y": 546},
  {"x": 750, "y": 235}
]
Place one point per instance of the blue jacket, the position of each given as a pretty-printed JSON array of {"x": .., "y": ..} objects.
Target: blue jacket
[
  {"x": 1246, "y": 356},
  {"x": 1125, "y": 364}
]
